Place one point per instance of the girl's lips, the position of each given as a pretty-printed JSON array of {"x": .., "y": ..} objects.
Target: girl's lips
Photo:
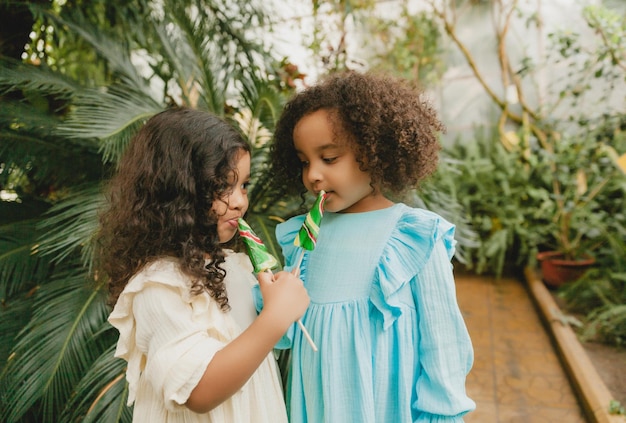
[{"x": 233, "y": 222}]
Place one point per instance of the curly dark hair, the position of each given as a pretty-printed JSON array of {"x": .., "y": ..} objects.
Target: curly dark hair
[
  {"x": 391, "y": 125},
  {"x": 161, "y": 196}
]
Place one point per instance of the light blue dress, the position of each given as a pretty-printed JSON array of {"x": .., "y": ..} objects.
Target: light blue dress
[{"x": 393, "y": 346}]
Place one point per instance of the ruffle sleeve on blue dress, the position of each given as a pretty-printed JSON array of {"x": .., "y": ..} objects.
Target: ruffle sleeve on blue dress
[{"x": 410, "y": 246}]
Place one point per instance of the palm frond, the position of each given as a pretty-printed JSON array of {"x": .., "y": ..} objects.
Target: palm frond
[
  {"x": 55, "y": 348},
  {"x": 102, "y": 393},
  {"x": 22, "y": 117},
  {"x": 266, "y": 197},
  {"x": 112, "y": 116},
  {"x": 252, "y": 128},
  {"x": 29, "y": 146},
  {"x": 34, "y": 79},
  {"x": 14, "y": 315},
  {"x": 20, "y": 269},
  {"x": 114, "y": 51},
  {"x": 69, "y": 226},
  {"x": 211, "y": 72},
  {"x": 178, "y": 66},
  {"x": 36, "y": 163},
  {"x": 223, "y": 54},
  {"x": 228, "y": 26},
  {"x": 263, "y": 99}
]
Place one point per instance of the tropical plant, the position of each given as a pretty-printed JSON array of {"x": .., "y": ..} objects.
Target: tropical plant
[
  {"x": 62, "y": 132},
  {"x": 585, "y": 183},
  {"x": 498, "y": 198},
  {"x": 599, "y": 296},
  {"x": 555, "y": 138},
  {"x": 511, "y": 197}
]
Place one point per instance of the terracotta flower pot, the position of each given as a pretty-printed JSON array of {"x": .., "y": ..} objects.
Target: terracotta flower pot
[{"x": 557, "y": 270}]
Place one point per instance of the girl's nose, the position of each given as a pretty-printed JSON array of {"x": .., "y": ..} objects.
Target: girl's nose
[
  {"x": 238, "y": 199},
  {"x": 312, "y": 173}
]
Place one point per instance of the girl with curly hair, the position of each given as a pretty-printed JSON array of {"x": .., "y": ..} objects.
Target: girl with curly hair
[
  {"x": 393, "y": 345},
  {"x": 196, "y": 349}
]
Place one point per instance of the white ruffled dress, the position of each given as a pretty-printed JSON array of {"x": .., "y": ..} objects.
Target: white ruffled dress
[{"x": 168, "y": 337}]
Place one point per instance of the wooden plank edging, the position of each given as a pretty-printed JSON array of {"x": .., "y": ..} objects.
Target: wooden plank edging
[{"x": 589, "y": 387}]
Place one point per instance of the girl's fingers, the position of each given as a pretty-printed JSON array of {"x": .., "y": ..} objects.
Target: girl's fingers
[
  {"x": 265, "y": 278},
  {"x": 287, "y": 276}
]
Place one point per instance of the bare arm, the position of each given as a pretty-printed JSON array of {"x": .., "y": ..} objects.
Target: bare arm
[{"x": 285, "y": 300}]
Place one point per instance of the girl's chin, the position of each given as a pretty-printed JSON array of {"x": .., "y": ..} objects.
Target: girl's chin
[
  {"x": 328, "y": 207},
  {"x": 226, "y": 235},
  {"x": 332, "y": 209},
  {"x": 329, "y": 202}
]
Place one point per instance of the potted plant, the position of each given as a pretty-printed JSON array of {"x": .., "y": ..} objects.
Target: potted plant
[{"x": 585, "y": 175}]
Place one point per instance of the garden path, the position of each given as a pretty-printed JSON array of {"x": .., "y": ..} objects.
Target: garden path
[{"x": 517, "y": 375}]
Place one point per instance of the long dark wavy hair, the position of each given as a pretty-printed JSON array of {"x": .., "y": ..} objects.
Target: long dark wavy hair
[
  {"x": 390, "y": 125},
  {"x": 160, "y": 200}
]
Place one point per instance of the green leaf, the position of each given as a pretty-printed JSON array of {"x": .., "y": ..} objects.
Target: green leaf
[
  {"x": 55, "y": 348},
  {"x": 20, "y": 269},
  {"x": 102, "y": 393}
]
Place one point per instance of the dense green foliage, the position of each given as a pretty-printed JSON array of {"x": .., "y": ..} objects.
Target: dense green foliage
[{"x": 91, "y": 77}]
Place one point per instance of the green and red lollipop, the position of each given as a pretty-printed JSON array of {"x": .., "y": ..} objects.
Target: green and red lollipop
[{"x": 261, "y": 259}]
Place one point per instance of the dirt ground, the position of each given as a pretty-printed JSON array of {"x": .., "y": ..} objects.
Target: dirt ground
[{"x": 610, "y": 363}]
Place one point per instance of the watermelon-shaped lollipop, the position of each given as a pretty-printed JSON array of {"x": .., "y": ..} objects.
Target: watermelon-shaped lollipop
[
  {"x": 307, "y": 236},
  {"x": 261, "y": 259}
]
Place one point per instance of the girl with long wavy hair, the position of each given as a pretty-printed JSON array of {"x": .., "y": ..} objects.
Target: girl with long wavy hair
[{"x": 196, "y": 349}]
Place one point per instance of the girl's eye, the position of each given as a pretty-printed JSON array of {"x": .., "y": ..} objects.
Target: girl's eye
[
  {"x": 329, "y": 160},
  {"x": 245, "y": 185},
  {"x": 304, "y": 164}
]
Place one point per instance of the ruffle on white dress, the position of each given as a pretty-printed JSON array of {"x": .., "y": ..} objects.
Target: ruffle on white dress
[{"x": 168, "y": 337}]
